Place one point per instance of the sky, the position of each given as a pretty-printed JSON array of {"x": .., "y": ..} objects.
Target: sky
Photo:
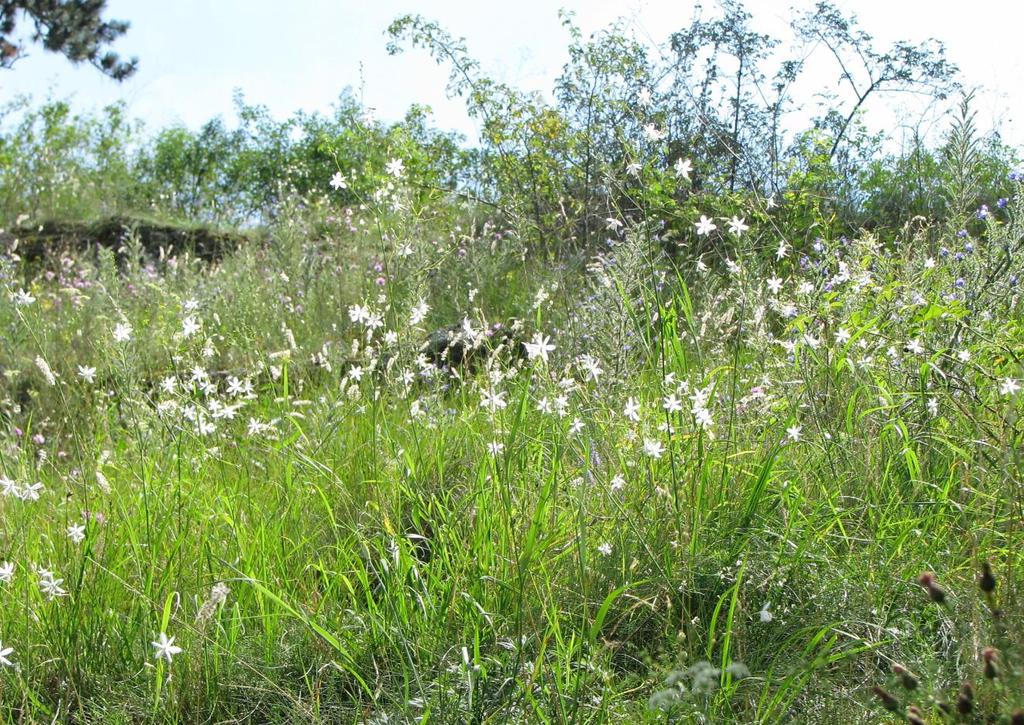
[{"x": 302, "y": 54}]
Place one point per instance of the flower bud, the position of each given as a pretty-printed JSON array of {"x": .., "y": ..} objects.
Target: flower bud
[
  {"x": 965, "y": 702},
  {"x": 889, "y": 702},
  {"x": 906, "y": 678},
  {"x": 927, "y": 580},
  {"x": 989, "y": 655},
  {"x": 986, "y": 582},
  {"x": 914, "y": 716}
]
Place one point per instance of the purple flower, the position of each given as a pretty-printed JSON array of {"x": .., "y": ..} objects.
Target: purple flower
[
  {"x": 943, "y": 252},
  {"x": 962, "y": 233},
  {"x": 983, "y": 212},
  {"x": 960, "y": 283},
  {"x": 968, "y": 247},
  {"x": 1002, "y": 202}
]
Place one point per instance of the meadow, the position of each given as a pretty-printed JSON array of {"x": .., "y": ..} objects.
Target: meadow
[{"x": 404, "y": 456}]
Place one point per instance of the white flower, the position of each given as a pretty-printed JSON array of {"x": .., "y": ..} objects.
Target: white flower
[
  {"x": 605, "y": 549},
  {"x": 87, "y": 373},
  {"x": 358, "y": 313},
  {"x": 653, "y": 133},
  {"x": 1009, "y": 386},
  {"x": 933, "y": 406},
  {"x": 31, "y": 492},
  {"x": 671, "y": 403},
  {"x": 633, "y": 168},
  {"x": 964, "y": 356},
  {"x": 495, "y": 448},
  {"x": 612, "y": 224},
  {"x": 783, "y": 250},
  {"x": 7, "y": 572},
  {"x": 165, "y": 647},
  {"x": 653, "y": 448},
  {"x": 540, "y": 346},
  {"x": 915, "y": 347},
  {"x": 683, "y": 168},
  {"x": 76, "y": 532},
  {"x": 492, "y": 400},
  {"x": 576, "y": 426},
  {"x": 590, "y": 366},
  {"x": 122, "y": 332},
  {"x": 617, "y": 482},
  {"x": 793, "y": 433},
  {"x": 737, "y": 227},
  {"x": 705, "y": 226},
  {"x": 22, "y": 298},
  {"x": 842, "y": 335},
  {"x": 632, "y": 410},
  {"x": 644, "y": 97},
  {"x": 929, "y": 263},
  {"x": 5, "y": 652},
  {"x": 190, "y": 326},
  {"x": 396, "y": 167},
  {"x": 766, "y": 616},
  {"x": 338, "y": 181},
  {"x": 51, "y": 587},
  {"x": 10, "y": 487},
  {"x": 419, "y": 312},
  {"x": 774, "y": 285}
]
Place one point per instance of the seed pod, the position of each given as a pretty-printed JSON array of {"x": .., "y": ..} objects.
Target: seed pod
[
  {"x": 965, "y": 702},
  {"x": 989, "y": 655},
  {"x": 906, "y": 678},
  {"x": 914, "y": 716},
  {"x": 889, "y": 702},
  {"x": 935, "y": 592},
  {"x": 986, "y": 582}
]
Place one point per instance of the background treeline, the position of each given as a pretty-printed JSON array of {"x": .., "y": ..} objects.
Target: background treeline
[{"x": 717, "y": 93}]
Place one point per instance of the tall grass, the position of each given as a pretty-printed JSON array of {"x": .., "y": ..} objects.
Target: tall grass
[{"x": 728, "y": 474}]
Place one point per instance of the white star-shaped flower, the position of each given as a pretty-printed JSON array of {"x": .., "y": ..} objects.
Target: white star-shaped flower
[
  {"x": 705, "y": 226},
  {"x": 165, "y": 647}
]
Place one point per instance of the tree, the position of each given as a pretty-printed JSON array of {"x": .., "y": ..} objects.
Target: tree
[{"x": 74, "y": 28}]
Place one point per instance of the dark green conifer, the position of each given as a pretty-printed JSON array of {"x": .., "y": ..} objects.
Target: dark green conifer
[{"x": 73, "y": 28}]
